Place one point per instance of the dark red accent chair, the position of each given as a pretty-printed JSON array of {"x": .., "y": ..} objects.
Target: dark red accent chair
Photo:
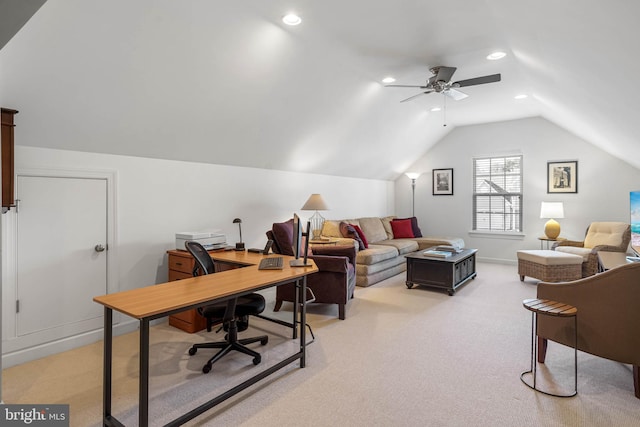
[{"x": 335, "y": 281}]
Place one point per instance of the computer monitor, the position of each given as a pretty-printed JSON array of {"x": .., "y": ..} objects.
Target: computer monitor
[
  {"x": 298, "y": 244},
  {"x": 634, "y": 204}
]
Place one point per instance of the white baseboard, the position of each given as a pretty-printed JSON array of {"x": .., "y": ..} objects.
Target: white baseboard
[
  {"x": 47, "y": 349},
  {"x": 497, "y": 261}
]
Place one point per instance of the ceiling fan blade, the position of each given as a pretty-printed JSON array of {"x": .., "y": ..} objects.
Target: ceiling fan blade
[
  {"x": 420, "y": 87},
  {"x": 455, "y": 94},
  {"x": 444, "y": 74},
  {"x": 477, "y": 81},
  {"x": 415, "y": 96}
]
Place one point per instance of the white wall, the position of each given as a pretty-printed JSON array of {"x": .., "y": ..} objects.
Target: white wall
[
  {"x": 604, "y": 183},
  {"x": 157, "y": 198}
]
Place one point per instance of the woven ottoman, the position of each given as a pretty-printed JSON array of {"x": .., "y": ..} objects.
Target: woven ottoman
[{"x": 549, "y": 266}]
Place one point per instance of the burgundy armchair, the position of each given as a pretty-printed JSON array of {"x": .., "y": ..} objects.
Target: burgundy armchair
[{"x": 335, "y": 281}]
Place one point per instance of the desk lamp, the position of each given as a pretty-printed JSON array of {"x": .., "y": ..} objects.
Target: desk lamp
[
  {"x": 552, "y": 210},
  {"x": 315, "y": 202},
  {"x": 239, "y": 245}
]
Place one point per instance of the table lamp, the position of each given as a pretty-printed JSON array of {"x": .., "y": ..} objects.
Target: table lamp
[
  {"x": 239, "y": 245},
  {"x": 552, "y": 210},
  {"x": 315, "y": 202}
]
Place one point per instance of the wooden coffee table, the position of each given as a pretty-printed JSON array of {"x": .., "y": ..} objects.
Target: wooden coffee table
[{"x": 445, "y": 273}]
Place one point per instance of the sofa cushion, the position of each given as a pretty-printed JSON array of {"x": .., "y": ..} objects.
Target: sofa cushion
[
  {"x": 331, "y": 228},
  {"x": 605, "y": 233},
  {"x": 375, "y": 254},
  {"x": 404, "y": 246},
  {"x": 575, "y": 250},
  {"x": 386, "y": 223},
  {"x": 373, "y": 229},
  {"x": 402, "y": 229},
  {"x": 547, "y": 257},
  {"x": 366, "y": 270},
  {"x": 427, "y": 242}
]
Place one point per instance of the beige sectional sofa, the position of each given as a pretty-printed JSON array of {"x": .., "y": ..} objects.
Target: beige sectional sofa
[{"x": 384, "y": 256}]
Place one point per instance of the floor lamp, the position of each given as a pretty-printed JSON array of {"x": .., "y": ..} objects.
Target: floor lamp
[{"x": 413, "y": 176}]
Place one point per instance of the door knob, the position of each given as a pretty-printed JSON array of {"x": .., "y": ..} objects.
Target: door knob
[{"x": 99, "y": 248}]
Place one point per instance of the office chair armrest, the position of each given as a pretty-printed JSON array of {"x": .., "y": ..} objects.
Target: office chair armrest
[
  {"x": 340, "y": 250},
  {"x": 334, "y": 264}
]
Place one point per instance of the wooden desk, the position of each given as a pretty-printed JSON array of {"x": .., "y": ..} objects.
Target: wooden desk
[{"x": 154, "y": 302}]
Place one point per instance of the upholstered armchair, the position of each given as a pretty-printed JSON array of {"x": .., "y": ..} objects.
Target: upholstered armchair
[
  {"x": 608, "y": 316},
  {"x": 600, "y": 236},
  {"x": 335, "y": 281}
]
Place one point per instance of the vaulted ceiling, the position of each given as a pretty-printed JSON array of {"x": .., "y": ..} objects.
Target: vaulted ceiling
[{"x": 227, "y": 82}]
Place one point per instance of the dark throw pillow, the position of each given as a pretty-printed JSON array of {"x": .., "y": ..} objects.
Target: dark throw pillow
[
  {"x": 283, "y": 235},
  {"x": 347, "y": 230},
  {"x": 361, "y": 235}
]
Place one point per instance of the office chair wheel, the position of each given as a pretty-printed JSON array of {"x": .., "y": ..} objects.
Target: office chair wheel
[
  {"x": 206, "y": 368},
  {"x": 264, "y": 341},
  {"x": 257, "y": 360},
  {"x": 192, "y": 351}
]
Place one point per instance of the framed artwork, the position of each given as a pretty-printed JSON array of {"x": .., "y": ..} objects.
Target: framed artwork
[
  {"x": 443, "y": 182},
  {"x": 562, "y": 177}
]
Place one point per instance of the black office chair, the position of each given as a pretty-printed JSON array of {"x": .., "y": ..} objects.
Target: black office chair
[{"x": 228, "y": 313}]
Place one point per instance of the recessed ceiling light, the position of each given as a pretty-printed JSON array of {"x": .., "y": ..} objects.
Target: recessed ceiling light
[
  {"x": 434, "y": 109},
  {"x": 388, "y": 80},
  {"x": 521, "y": 96},
  {"x": 496, "y": 55},
  {"x": 291, "y": 19}
]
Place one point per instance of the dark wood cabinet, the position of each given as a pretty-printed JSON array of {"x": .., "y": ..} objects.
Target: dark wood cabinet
[
  {"x": 7, "y": 154},
  {"x": 444, "y": 273}
]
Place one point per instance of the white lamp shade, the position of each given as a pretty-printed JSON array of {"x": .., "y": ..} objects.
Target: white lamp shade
[
  {"x": 412, "y": 175},
  {"x": 315, "y": 202},
  {"x": 551, "y": 210}
]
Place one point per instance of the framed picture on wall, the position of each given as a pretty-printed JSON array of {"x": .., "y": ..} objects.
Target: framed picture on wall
[
  {"x": 443, "y": 182},
  {"x": 562, "y": 177}
]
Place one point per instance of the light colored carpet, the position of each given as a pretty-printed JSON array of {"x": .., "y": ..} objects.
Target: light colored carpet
[{"x": 403, "y": 357}]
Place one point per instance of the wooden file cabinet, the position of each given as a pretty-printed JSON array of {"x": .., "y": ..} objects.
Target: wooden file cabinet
[{"x": 181, "y": 265}]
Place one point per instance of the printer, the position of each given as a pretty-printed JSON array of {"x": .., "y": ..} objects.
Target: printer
[{"x": 209, "y": 239}]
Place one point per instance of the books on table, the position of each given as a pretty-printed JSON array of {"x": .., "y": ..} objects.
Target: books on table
[
  {"x": 441, "y": 251},
  {"x": 437, "y": 254}
]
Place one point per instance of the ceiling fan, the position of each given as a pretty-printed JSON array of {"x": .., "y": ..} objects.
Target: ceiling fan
[{"x": 440, "y": 82}]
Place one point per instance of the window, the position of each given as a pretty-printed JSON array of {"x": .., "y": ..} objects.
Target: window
[{"x": 497, "y": 193}]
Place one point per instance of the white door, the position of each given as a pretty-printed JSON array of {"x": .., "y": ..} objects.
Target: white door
[{"x": 61, "y": 228}]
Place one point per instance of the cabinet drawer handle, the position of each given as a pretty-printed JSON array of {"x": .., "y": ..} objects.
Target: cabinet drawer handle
[{"x": 178, "y": 263}]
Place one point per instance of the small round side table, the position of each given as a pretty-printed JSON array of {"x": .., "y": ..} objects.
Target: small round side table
[{"x": 550, "y": 308}]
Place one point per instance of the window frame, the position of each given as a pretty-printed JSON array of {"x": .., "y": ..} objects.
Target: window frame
[{"x": 515, "y": 217}]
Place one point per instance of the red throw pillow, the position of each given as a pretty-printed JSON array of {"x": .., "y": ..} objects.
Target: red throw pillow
[
  {"x": 402, "y": 229},
  {"x": 362, "y": 236}
]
